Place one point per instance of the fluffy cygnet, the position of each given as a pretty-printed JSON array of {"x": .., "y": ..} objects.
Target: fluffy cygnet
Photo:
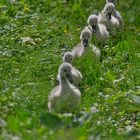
[
  {"x": 100, "y": 31},
  {"x": 116, "y": 13},
  {"x": 83, "y": 47},
  {"x": 65, "y": 97},
  {"x": 68, "y": 57},
  {"x": 106, "y": 17},
  {"x": 75, "y": 74}
]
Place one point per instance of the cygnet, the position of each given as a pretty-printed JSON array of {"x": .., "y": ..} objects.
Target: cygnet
[
  {"x": 99, "y": 30},
  {"x": 65, "y": 97},
  {"x": 82, "y": 48},
  {"x": 106, "y": 17}
]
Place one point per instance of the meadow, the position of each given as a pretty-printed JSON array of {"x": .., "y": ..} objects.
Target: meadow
[{"x": 110, "y": 104}]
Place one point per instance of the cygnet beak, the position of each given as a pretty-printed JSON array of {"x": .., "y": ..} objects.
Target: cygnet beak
[
  {"x": 67, "y": 60},
  {"x": 108, "y": 15},
  {"x": 69, "y": 78},
  {"x": 93, "y": 28},
  {"x": 85, "y": 43}
]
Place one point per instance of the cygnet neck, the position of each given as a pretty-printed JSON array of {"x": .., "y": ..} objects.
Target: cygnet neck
[{"x": 64, "y": 82}]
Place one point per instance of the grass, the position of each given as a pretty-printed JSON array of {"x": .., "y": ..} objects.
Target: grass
[{"x": 28, "y": 72}]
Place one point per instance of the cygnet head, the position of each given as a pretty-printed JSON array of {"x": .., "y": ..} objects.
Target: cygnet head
[
  {"x": 68, "y": 57},
  {"x": 112, "y": 1},
  {"x": 85, "y": 36},
  {"x": 93, "y": 21},
  {"x": 65, "y": 71},
  {"x": 109, "y": 9}
]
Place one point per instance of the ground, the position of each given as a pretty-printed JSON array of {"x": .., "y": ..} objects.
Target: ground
[{"x": 110, "y": 105}]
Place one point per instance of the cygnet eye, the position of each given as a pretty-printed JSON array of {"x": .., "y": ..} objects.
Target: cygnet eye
[{"x": 64, "y": 70}]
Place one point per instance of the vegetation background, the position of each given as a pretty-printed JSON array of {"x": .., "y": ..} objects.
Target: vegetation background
[{"x": 110, "y": 106}]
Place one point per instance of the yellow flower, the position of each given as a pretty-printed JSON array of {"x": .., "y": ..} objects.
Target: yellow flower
[{"x": 65, "y": 31}]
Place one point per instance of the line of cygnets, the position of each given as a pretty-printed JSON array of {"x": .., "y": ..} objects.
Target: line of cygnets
[{"x": 66, "y": 96}]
